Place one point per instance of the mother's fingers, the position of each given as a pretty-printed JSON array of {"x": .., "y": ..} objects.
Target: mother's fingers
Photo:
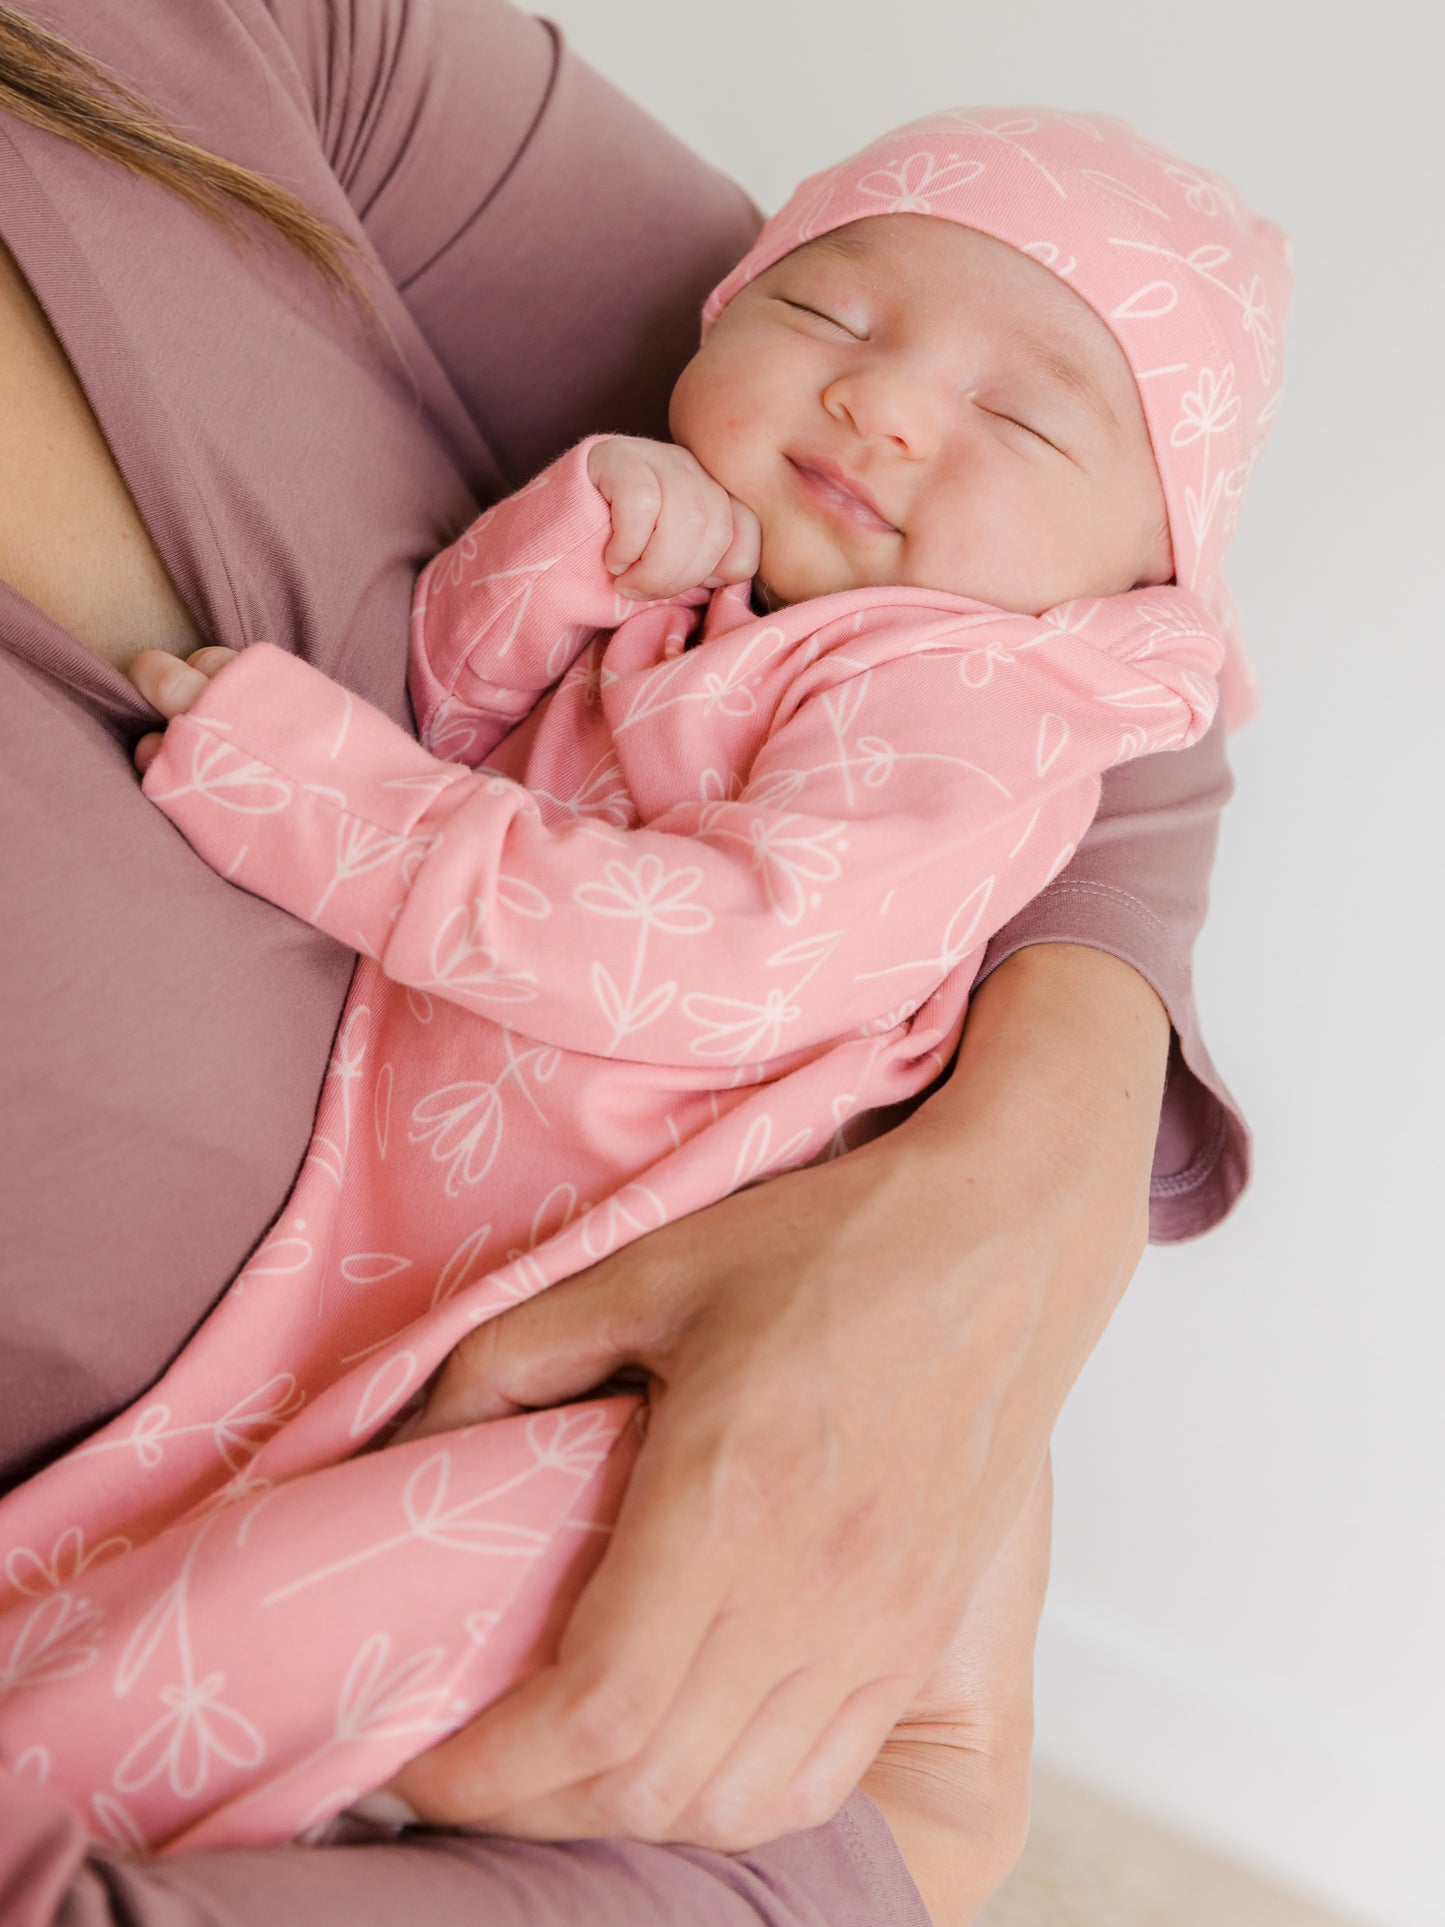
[
  {"x": 632, "y": 1638},
  {"x": 796, "y": 1762}
]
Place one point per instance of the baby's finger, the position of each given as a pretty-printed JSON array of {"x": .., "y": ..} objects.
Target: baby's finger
[
  {"x": 635, "y": 510},
  {"x": 211, "y": 659},
  {"x": 147, "y": 749},
  {"x": 167, "y": 684},
  {"x": 745, "y": 552},
  {"x": 693, "y": 530}
]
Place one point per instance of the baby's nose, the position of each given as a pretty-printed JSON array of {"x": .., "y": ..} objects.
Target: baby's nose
[{"x": 888, "y": 404}]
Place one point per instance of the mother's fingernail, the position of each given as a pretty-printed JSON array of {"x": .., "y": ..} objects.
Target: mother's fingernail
[{"x": 386, "y": 1809}]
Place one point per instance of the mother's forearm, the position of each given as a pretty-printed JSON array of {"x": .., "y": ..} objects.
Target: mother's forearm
[{"x": 1044, "y": 1133}]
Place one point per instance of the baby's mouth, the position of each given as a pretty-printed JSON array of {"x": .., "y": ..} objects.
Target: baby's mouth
[{"x": 828, "y": 490}]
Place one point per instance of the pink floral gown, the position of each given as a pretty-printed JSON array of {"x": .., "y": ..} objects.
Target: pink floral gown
[{"x": 675, "y": 896}]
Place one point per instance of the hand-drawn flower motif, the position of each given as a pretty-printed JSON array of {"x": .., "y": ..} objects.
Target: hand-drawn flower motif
[
  {"x": 362, "y": 847},
  {"x": 384, "y": 1391},
  {"x": 758, "y": 1155},
  {"x": 572, "y": 1439},
  {"x": 788, "y": 858},
  {"x": 1122, "y": 190},
  {"x": 58, "y": 1639},
  {"x": 29, "y": 1573},
  {"x": 374, "y": 1704},
  {"x": 1208, "y": 408},
  {"x": 736, "y": 1030},
  {"x": 617, "y": 1220},
  {"x": 722, "y": 696},
  {"x": 465, "y": 1526},
  {"x": 917, "y": 181},
  {"x": 228, "y": 777},
  {"x": 183, "y": 1743},
  {"x": 648, "y": 893},
  {"x": 464, "y": 1123},
  {"x": 1259, "y": 325},
  {"x": 462, "y": 962},
  {"x": 1200, "y": 192},
  {"x": 243, "y": 1429}
]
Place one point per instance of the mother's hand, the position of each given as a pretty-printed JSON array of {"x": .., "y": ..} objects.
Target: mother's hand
[{"x": 855, "y": 1370}]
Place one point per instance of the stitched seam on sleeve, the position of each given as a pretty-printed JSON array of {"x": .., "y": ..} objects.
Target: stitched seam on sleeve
[
  {"x": 1199, "y": 1168},
  {"x": 1088, "y": 887}
]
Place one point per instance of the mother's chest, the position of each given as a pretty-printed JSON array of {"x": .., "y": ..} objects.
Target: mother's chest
[
  {"x": 71, "y": 538},
  {"x": 197, "y": 446}
]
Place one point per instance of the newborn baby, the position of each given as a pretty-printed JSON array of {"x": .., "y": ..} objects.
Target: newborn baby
[{"x": 737, "y": 751}]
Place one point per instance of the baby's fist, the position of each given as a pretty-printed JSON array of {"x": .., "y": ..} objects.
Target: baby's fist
[
  {"x": 673, "y": 527},
  {"x": 171, "y": 686}
]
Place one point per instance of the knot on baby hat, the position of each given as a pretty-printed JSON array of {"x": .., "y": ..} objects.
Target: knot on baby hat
[{"x": 1192, "y": 284}]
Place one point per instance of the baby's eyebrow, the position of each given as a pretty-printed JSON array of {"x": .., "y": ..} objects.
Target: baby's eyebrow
[{"x": 1061, "y": 369}]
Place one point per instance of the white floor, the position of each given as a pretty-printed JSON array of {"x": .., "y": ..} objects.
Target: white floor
[{"x": 1090, "y": 1863}]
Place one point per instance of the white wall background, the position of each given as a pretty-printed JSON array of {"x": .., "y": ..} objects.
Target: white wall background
[{"x": 1246, "y": 1627}]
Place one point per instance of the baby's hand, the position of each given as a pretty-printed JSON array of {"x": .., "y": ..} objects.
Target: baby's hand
[
  {"x": 171, "y": 686},
  {"x": 673, "y": 526}
]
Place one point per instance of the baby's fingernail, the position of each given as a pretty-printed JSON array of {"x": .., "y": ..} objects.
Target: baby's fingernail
[
  {"x": 633, "y": 595},
  {"x": 712, "y": 582}
]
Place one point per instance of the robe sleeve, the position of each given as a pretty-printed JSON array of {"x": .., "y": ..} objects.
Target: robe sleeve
[
  {"x": 847, "y": 1873},
  {"x": 1138, "y": 888},
  {"x": 553, "y": 242}
]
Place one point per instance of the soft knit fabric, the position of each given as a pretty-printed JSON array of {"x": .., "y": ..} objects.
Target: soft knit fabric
[
  {"x": 1192, "y": 284},
  {"x": 732, "y": 917}
]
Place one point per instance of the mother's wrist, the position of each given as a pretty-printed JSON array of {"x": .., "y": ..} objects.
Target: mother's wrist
[{"x": 1060, "y": 1074}]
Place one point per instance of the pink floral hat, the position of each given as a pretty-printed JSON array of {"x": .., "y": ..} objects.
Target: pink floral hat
[{"x": 1192, "y": 284}]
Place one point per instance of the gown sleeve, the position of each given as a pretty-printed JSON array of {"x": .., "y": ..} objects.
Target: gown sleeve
[{"x": 453, "y": 879}]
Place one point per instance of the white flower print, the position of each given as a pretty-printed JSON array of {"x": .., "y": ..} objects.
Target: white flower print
[
  {"x": 60, "y": 1638},
  {"x": 1259, "y": 325},
  {"x": 229, "y": 778},
  {"x": 1209, "y": 408},
  {"x": 655, "y": 899},
  {"x": 737, "y": 1030},
  {"x": 463, "y": 963},
  {"x": 571, "y": 1439},
  {"x": 464, "y": 1123},
  {"x": 375, "y": 1704},
  {"x": 183, "y": 1743},
  {"x": 918, "y": 180},
  {"x": 69, "y": 1558},
  {"x": 649, "y": 892}
]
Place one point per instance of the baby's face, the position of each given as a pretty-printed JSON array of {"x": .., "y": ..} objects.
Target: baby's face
[{"x": 907, "y": 401}]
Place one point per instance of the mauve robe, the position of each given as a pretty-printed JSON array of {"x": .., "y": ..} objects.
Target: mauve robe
[{"x": 543, "y": 250}]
